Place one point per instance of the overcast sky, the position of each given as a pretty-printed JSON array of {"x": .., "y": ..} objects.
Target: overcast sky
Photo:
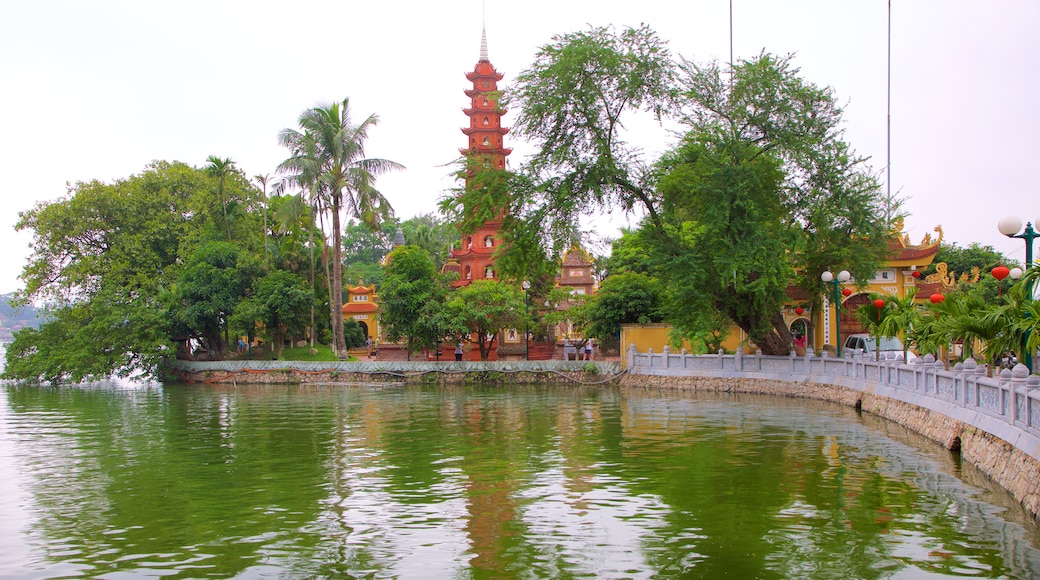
[{"x": 96, "y": 90}]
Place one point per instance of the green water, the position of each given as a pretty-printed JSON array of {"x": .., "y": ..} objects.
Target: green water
[{"x": 528, "y": 482}]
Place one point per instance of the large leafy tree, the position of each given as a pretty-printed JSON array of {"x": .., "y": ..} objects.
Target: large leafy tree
[
  {"x": 281, "y": 302},
  {"x": 411, "y": 299},
  {"x": 762, "y": 192},
  {"x": 483, "y": 309},
  {"x": 208, "y": 290},
  {"x": 133, "y": 272},
  {"x": 628, "y": 297},
  {"x": 102, "y": 259},
  {"x": 327, "y": 160}
]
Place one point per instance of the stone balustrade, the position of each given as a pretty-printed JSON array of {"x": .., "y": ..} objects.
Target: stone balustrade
[
  {"x": 1012, "y": 397},
  {"x": 993, "y": 421}
]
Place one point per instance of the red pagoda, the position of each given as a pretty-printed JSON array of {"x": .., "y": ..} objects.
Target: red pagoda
[{"x": 473, "y": 259}]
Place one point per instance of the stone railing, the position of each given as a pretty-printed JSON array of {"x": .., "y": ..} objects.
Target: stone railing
[{"x": 1007, "y": 405}]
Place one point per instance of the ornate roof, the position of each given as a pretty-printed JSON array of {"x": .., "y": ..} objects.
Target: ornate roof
[
  {"x": 577, "y": 256},
  {"x": 921, "y": 254}
]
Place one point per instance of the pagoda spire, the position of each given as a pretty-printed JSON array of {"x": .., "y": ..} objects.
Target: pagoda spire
[{"x": 483, "y": 45}]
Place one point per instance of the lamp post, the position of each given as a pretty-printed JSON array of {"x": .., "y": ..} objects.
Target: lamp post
[
  {"x": 841, "y": 278},
  {"x": 1009, "y": 226},
  {"x": 526, "y": 285}
]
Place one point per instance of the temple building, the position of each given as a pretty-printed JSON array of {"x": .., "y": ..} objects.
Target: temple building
[
  {"x": 900, "y": 274},
  {"x": 362, "y": 306}
]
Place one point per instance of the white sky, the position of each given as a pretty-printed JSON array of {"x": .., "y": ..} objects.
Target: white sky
[{"x": 96, "y": 90}]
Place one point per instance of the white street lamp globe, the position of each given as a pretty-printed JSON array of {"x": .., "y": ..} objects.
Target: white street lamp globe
[
  {"x": 526, "y": 285},
  {"x": 1009, "y": 226},
  {"x": 826, "y": 276},
  {"x": 844, "y": 276},
  {"x": 1016, "y": 273}
]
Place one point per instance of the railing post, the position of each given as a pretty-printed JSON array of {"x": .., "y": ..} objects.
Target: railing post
[
  {"x": 980, "y": 372},
  {"x": 1005, "y": 383},
  {"x": 937, "y": 367},
  {"x": 1019, "y": 374},
  {"x": 1032, "y": 384},
  {"x": 722, "y": 359},
  {"x": 960, "y": 386},
  {"x": 738, "y": 360},
  {"x": 631, "y": 356},
  {"x": 650, "y": 357},
  {"x": 667, "y": 355}
]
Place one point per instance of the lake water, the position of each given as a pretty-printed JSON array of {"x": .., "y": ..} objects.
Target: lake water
[{"x": 111, "y": 481}]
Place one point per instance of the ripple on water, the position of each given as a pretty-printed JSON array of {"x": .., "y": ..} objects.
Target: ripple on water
[{"x": 535, "y": 482}]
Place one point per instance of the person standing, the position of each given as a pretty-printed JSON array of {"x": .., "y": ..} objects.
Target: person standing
[
  {"x": 458, "y": 351},
  {"x": 588, "y": 350}
]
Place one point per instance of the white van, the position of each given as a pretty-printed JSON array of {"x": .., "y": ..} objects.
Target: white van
[{"x": 891, "y": 347}]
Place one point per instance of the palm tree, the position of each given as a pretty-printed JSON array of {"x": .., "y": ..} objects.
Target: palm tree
[
  {"x": 221, "y": 168},
  {"x": 980, "y": 326},
  {"x": 901, "y": 317},
  {"x": 327, "y": 160},
  {"x": 262, "y": 179},
  {"x": 873, "y": 321}
]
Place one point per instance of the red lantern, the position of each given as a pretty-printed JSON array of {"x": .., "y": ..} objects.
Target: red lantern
[
  {"x": 916, "y": 274},
  {"x": 1000, "y": 272},
  {"x": 799, "y": 310},
  {"x": 937, "y": 298},
  {"x": 879, "y": 304},
  {"x": 846, "y": 292}
]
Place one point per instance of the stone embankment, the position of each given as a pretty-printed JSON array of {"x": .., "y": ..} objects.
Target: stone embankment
[
  {"x": 382, "y": 372},
  {"x": 994, "y": 422}
]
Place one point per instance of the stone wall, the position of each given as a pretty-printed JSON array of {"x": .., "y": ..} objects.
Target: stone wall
[
  {"x": 1008, "y": 466},
  {"x": 384, "y": 372}
]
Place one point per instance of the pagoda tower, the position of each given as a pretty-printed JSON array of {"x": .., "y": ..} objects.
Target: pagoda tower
[{"x": 473, "y": 259}]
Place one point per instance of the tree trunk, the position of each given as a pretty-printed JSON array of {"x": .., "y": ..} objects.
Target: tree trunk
[
  {"x": 777, "y": 341},
  {"x": 339, "y": 341}
]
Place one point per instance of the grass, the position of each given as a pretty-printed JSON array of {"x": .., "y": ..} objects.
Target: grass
[{"x": 303, "y": 353}]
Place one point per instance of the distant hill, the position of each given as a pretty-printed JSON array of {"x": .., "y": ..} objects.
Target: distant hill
[{"x": 12, "y": 319}]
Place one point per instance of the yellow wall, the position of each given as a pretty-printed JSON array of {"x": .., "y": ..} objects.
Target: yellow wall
[{"x": 644, "y": 336}]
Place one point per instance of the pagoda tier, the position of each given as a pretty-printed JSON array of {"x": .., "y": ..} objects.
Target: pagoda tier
[
  {"x": 495, "y": 151},
  {"x": 484, "y": 71},
  {"x": 470, "y": 111},
  {"x": 490, "y": 129}
]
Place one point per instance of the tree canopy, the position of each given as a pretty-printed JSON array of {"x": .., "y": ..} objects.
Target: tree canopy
[
  {"x": 484, "y": 309},
  {"x": 138, "y": 271},
  {"x": 761, "y": 193},
  {"x": 412, "y": 299}
]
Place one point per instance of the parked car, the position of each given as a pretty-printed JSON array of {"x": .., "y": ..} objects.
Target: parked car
[{"x": 891, "y": 347}]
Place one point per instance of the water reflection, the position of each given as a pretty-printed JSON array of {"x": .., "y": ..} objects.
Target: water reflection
[{"x": 316, "y": 481}]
